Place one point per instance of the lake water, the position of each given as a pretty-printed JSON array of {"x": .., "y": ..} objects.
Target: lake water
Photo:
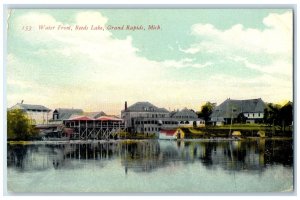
[{"x": 256, "y": 165}]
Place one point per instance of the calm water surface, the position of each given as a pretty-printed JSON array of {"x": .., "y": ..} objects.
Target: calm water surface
[{"x": 257, "y": 165}]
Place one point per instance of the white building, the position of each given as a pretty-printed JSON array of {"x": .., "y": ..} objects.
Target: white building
[{"x": 37, "y": 114}]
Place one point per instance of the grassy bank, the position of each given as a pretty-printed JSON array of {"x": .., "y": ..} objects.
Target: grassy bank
[
  {"x": 247, "y": 130},
  {"x": 137, "y": 136}
]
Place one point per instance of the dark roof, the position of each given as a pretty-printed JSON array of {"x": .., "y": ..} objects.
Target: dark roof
[
  {"x": 145, "y": 107},
  {"x": 232, "y": 108},
  {"x": 94, "y": 114},
  {"x": 185, "y": 114},
  {"x": 66, "y": 113},
  {"x": 30, "y": 107}
]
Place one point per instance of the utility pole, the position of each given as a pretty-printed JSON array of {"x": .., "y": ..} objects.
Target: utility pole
[
  {"x": 231, "y": 120},
  {"x": 273, "y": 132}
]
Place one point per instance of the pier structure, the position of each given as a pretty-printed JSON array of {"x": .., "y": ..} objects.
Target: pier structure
[{"x": 104, "y": 127}]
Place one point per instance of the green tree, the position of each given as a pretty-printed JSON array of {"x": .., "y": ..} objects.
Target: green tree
[
  {"x": 286, "y": 115},
  {"x": 276, "y": 115},
  {"x": 18, "y": 125},
  {"x": 272, "y": 114},
  {"x": 206, "y": 111}
]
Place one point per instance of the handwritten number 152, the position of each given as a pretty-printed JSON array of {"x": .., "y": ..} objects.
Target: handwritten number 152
[{"x": 26, "y": 28}]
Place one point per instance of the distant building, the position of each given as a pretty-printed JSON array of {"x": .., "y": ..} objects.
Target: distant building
[
  {"x": 37, "y": 114},
  {"x": 187, "y": 118},
  {"x": 61, "y": 114},
  {"x": 144, "y": 117},
  {"x": 251, "y": 109},
  {"x": 94, "y": 115}
]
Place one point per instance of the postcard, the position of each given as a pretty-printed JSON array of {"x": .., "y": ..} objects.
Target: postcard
[{"x": 147, "y": 100}]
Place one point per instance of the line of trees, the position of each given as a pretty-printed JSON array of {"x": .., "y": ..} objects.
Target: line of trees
[
  {"x": 277, "y": 115},
  {"x": 18, "y": 126}
]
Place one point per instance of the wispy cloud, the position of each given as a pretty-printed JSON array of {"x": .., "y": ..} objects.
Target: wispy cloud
[
  {"x": 275, "y": 38},
  {"x": 186, "y": 62}
]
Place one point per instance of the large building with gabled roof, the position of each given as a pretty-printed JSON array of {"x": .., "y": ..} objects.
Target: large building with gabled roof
[
  {"x": 37, "y": 114},
  {"x": 251, "y": 109},
  {"x": 187, "y": 117},
  {"x": 144, "y": 117}
]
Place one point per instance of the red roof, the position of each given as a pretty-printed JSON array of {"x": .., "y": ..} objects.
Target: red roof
[
  {"x": 81, "y": 118},
  {"x": 107, "y": 118},
  {"x": 169, "y": 132}
]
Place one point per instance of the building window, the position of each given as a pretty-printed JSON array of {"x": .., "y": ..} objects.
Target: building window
[
  {"x": 259, "y": 114},
  {"x": 253, "y": 114}
]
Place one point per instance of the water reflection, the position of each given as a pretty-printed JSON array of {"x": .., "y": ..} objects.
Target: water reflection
[{"x": 149, "y": 155}]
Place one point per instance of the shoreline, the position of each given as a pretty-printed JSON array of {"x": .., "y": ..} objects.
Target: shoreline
[{"x": 30, "y": 142}]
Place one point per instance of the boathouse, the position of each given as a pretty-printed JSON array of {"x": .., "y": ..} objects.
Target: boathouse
[
  {"x": 171, "y": 134},
  {"x": 85, "y": 127}
]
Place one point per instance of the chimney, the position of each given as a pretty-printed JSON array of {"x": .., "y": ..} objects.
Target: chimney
[{"x": 125, "y": 105}]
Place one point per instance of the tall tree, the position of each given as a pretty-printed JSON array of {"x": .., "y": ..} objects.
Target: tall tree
[
  {"x": 272, "y": 114},
  {"x": 279, "y": 115},
  {"x": 286, "y": 115},
  {"x": 206, "y": 111}
]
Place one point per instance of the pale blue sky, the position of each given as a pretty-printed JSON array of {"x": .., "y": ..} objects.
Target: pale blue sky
[{"x": 198, "y": 55}]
